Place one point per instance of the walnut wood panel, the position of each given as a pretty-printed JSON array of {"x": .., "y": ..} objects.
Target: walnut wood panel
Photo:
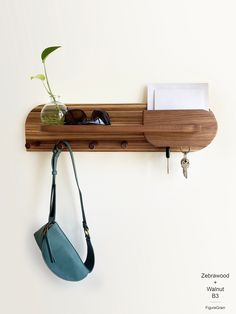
[
  {"x": 194, "y": 140},
  {"x": 38, "y": 139},
  {"x": 133, "y": 129}
]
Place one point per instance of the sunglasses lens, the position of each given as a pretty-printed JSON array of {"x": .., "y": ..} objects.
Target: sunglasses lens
[
  {"x": 101, "y": 117},
  {"x": 78, "y": 116},
  {"x": 75, "y": 116}
]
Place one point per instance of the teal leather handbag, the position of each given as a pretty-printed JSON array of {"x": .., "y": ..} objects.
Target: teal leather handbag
[{"x": 57, "y": 251}]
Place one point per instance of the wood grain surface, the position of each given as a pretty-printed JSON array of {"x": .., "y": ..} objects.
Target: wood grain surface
[{"x": 133, "y": 129}]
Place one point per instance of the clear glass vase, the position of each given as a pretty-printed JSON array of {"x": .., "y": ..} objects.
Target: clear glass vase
[{"x": 53, "y": 112}]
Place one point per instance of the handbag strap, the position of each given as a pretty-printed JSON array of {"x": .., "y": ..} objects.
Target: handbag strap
[{"x": 89, "y": 262}]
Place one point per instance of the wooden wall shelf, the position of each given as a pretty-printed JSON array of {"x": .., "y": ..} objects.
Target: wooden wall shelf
[{"x": 133, "y": 129}]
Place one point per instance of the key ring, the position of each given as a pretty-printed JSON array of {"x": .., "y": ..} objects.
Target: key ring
[{"x": 185, "y": 152}]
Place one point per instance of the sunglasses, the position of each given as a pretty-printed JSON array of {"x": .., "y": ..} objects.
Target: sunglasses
[{"x": 78, "y": 116}]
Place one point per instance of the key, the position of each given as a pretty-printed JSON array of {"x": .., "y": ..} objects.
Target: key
[{"x": 185, "y": 164}]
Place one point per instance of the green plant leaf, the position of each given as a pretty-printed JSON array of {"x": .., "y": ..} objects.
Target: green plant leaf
[
  {"x": 47, "y": 52},
  {"x": 38, "y": 76}
]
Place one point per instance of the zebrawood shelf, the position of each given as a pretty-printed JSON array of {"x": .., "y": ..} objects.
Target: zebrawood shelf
[{"x": 133, "y": 129}]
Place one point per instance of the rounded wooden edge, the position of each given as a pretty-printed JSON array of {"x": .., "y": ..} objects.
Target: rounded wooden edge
[{"x": 148, "y": 117}]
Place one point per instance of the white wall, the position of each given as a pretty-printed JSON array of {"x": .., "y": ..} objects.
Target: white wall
[{"x": 153, "y": 234}]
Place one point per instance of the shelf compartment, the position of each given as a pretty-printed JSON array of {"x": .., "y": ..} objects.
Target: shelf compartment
[{"x": 121, "y": 129}]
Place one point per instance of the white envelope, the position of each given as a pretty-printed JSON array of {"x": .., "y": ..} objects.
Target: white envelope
[{"x": 166, "y": 96}]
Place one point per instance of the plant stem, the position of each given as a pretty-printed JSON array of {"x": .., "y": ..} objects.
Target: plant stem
[
  {"x": 49, "y": 88},
  {"x": 46, "y": 88}
]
